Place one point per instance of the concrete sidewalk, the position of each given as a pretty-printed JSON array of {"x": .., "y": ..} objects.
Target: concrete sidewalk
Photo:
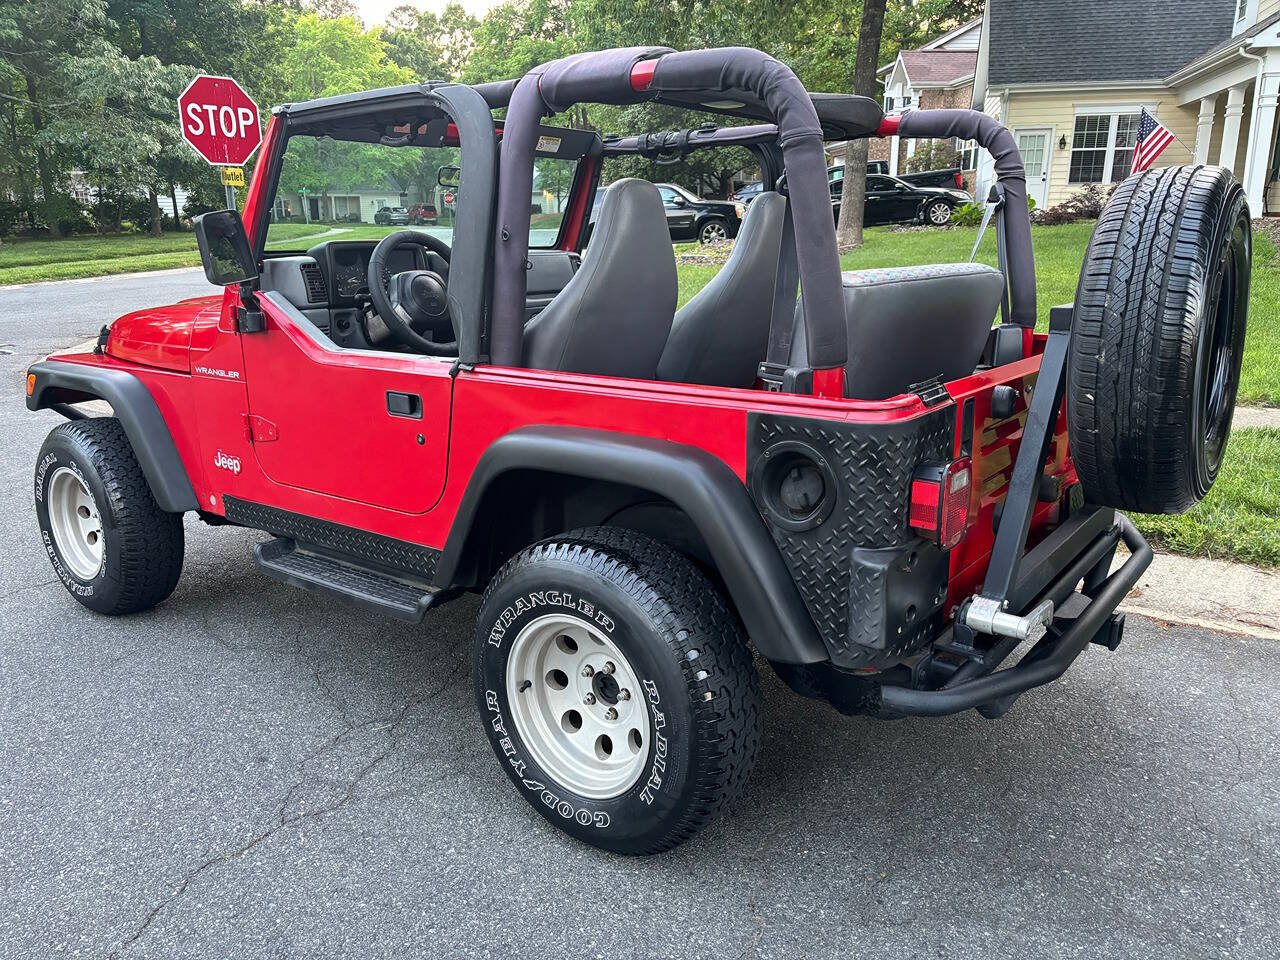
[{"x": 1214, "y": 594}]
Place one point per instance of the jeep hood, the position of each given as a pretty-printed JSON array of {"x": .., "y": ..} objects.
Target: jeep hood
[{"x": 159, "y": 336}]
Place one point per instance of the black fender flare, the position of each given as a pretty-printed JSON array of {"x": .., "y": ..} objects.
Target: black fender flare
[
  {"x": 135, "y": 408},
  {"x": 700, "y": 484}
]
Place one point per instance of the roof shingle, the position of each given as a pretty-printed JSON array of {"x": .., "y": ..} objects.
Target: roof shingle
[
  {"x": 926, "y": 67},
  {"x": 1100, "y": 40}
]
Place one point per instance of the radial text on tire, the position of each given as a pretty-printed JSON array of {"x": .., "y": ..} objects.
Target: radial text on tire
[
  {"x": 110, "y": 544},
  {"x": 616, "y": 688},
  {"x": 1158, "y": 338}
]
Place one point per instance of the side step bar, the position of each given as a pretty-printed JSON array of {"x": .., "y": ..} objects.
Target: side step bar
[{"x": 289, "y": 562}]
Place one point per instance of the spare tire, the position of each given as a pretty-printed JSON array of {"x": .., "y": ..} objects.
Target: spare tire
[{"x": 1157, "y": 339}]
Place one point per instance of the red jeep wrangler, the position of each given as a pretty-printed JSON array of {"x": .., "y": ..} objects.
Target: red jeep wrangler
[{"x": 873, "y": 486}]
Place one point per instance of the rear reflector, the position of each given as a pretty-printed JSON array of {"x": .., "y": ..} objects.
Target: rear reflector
[{"x": 940, "y": 495}]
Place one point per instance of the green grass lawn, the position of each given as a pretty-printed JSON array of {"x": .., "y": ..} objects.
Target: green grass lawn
[
  {"x": 27, "y": 261},
  {"x": 1240, "y": 518}
]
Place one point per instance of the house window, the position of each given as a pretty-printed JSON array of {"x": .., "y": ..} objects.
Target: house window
[
  {"x": 1246, "y": 15},
  {"x": 968, "y": 150},
  {"x": 888, "y": 103},
  {"x": 1102, "y": 147}
]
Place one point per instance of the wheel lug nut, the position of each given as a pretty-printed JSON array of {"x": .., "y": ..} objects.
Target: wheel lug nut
[
  {"x": 624, "y": 694},
  {"x": 588, "y": 671},
  {"x": 589, "y": 699},
  {"x": 609, "y": 667},
  {"x": 611, "y": 714}
]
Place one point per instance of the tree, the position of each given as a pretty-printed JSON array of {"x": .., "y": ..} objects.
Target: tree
[{"x": 853, "y": 195}]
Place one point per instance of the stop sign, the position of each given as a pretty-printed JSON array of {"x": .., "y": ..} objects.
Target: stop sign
[{"x": 219, "y": 120}]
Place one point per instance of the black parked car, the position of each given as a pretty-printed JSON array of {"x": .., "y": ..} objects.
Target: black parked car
[
  {"x": 890, "y": 200},
  {"x": 689, "y": 217},
  {"x": 391, "y": 216}
]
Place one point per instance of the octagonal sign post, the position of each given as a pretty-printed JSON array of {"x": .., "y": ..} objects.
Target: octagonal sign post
[{"x": 220, "y": 121}]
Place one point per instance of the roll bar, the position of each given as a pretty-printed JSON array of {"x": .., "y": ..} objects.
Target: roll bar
[
  {"x": 702, "y": 79},
  {"x": 1014, "y": 219}
]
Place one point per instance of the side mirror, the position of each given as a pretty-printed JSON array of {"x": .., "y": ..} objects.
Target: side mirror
[
  {"x": 224, "y": 248},
  {"x": 449, "y": 177},
  {"x": 677, "y": 201}
]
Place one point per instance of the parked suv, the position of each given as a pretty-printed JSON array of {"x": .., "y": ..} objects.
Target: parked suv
[
  {"x": 391, "y": 216},
  {"x": 423, "y": 213},
  {"x": 689, "y": 217}
]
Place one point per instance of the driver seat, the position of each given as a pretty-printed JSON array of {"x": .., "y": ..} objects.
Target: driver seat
[{"x": 613, "y": 317}]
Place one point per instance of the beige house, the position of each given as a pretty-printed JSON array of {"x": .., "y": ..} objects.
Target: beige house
[{"x": 1070, "y": 79}]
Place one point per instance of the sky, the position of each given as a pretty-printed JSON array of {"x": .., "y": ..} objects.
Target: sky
[{"x": 374, "y": 12}]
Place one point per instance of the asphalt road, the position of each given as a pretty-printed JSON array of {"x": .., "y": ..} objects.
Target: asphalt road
[{"x": 251, "y": 771}]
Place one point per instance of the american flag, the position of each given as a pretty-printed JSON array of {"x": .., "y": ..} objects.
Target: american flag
[{"x": 1153, "y": 137}]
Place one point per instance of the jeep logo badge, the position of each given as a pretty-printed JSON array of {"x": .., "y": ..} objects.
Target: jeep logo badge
[{"x": 227, "y": 463}]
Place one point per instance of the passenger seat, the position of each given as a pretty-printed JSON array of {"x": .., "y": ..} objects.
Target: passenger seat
[{"x": 721, "y": 335}]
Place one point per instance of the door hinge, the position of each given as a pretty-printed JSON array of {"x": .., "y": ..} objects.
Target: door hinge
[{"x": 259, "y": 429}]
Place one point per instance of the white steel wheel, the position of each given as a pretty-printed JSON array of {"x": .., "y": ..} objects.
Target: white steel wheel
[
  {"x": 713, "y": 231},
  {"x": 75, "y": 524},
  {"x": 939, "y": 214},
  {"x": 578, "y": 706}
]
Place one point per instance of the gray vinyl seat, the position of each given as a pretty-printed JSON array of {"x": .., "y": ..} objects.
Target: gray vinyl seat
[
  {"x": 613, "y": 317},
  {"x": 910, "y": 324},
  {"x": 721, "y": 335}
]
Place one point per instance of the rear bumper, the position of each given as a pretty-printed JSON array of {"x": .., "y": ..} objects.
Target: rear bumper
[{"x": 1061, "y": 564}]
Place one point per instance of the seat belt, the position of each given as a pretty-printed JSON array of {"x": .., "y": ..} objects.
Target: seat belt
[
  {"x": 995, "y": 202},
  {"x": 783, "y": 318}
]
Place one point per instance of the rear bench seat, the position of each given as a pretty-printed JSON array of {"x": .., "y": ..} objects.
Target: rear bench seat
[{"x": 907, "y": 325}]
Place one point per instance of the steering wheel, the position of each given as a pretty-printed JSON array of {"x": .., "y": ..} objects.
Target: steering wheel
[{"x": 412, "y": 300}]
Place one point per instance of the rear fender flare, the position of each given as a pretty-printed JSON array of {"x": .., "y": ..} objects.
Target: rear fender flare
[
  {"x": 137, "y": 412},
  {"x": 701, "y": 485}
]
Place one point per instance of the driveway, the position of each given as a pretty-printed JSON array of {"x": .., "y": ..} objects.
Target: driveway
[{"x": 252, "y": 771}]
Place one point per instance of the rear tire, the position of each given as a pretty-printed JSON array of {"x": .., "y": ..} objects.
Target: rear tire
[
  {"x": 1158, "y": 339},
  {"x": 713, "y": 230},
  {"x": 110, "y": 544},
  {"x": 635, "y": 773}
]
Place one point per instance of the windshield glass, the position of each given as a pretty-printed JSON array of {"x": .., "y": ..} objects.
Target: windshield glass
[{"x": 342, "y": 190}]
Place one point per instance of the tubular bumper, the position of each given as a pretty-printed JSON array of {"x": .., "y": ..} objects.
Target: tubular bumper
[{"x": 975, "y": 685}]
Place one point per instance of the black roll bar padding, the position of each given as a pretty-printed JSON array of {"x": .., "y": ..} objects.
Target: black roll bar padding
[
  {"x": 605, "y": 77},
  {"x": 1046, "y": 662},
  {"x": 1015, "y": 219},
  {"x": 473, "y": 223}
]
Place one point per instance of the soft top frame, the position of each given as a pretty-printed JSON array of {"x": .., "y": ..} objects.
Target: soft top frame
[{"x": 740, "y": 80}]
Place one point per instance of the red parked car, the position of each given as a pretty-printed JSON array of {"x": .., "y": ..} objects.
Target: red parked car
[
  {"x": 869, "y": 486},
  {"x": 423, "y": 213}
]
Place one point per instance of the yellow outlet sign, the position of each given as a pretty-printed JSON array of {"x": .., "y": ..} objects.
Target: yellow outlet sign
[{"x": 233, "y": 176}]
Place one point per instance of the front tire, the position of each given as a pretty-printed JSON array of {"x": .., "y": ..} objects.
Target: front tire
[
  {"x": 1158, "y": 339},
  {"x": 616, "y": 688},
  {"x": 110, "y": 544},
  {"x": 713, "y": 231},
  {"x": 938, "y": 214}
]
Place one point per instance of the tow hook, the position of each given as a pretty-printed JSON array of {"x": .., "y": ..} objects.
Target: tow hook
[{"x": 984, "y": 615}]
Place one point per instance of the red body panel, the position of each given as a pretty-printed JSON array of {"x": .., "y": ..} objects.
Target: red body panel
[{"x": 159, "y": 336}]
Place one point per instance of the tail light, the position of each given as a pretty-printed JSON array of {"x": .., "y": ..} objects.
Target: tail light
[
  {"x": 959, "y": 181},
  {"x": 940, "y": 495}
]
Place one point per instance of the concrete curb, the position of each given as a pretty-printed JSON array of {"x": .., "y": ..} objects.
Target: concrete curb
[
  {"x": 1266, "y": 417},
  {"x": 1214, "y": 594}
]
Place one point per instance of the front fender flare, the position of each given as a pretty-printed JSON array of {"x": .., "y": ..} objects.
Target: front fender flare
[
  {"x": 137, "y": 412},
  {"x": 701, "y": 485}
]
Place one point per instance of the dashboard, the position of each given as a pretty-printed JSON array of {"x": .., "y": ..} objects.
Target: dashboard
[{"x": 345, "y": 265}]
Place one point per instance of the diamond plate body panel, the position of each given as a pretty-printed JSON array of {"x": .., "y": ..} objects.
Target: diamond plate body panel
[
  {"x": 386, "y": 552},
  {"x": 873, "y": 464}
]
